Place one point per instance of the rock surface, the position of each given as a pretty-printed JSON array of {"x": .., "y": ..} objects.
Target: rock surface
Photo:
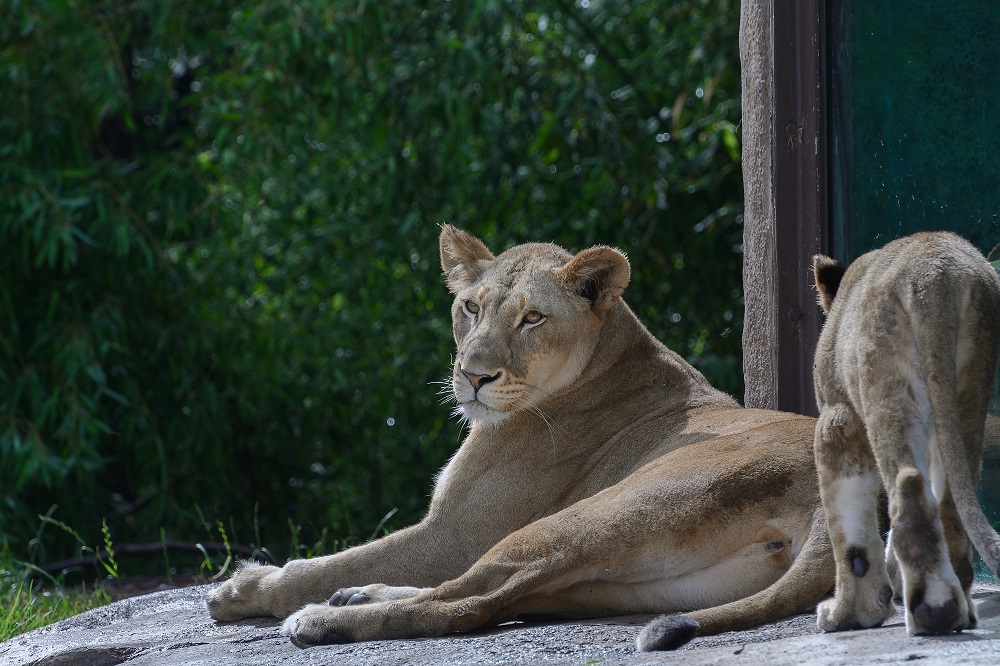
[{"x": 173, "y": 627}]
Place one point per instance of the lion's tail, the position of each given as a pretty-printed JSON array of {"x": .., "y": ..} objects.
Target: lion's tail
[
  {"x": 810, "y": 577},
  {"x": 958, "y": 388}
]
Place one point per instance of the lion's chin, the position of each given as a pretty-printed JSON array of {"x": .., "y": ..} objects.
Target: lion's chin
[{"x": 478, "y": 413}]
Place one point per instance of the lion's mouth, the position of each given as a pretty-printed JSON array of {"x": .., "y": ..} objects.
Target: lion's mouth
[
  {"x": 476, "y": 410},
  {"x": 477, "y": 403}
]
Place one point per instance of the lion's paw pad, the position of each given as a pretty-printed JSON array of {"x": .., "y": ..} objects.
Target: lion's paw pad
[{"x": 349, "y": 597}]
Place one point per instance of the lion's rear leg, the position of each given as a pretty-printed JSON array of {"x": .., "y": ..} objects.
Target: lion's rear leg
[
  {"x": 975, "y": 373},
  {"x": 959, "y": 553},
  {"x": 374, "y": 593},
  {"x": 849, "y": 485},
  {"x": 957, "y": 352},
  {"x": 932, "y": 595},
  {"x": 976, "y": 364},
  {"x": 639, "y": 546},
  {"x": 933, "y": 598}
]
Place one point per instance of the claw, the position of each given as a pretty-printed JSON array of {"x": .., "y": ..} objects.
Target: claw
[
  {"x": 850, "y": 624},
  {"x": 357, "y": 598}
]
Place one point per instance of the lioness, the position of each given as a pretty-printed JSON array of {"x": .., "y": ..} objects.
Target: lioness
[
  {"x": 601, "y": 475},
  {"x": 904, "y": 372}
]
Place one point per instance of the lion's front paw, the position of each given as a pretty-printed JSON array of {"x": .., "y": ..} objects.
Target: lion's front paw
[
  {"x": 242, "y": 595},
  {"x": 837, "y": 615},
  {"x": 830, "y": 617},
  {"x": 313, "y": 625}
]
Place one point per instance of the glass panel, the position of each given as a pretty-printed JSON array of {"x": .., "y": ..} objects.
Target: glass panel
[
  {"x": 925, "y": 107},
  {"x": 914, "y": 92}
]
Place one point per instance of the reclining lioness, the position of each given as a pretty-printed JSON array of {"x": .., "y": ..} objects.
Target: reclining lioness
[{"x": 602, "y": 475}]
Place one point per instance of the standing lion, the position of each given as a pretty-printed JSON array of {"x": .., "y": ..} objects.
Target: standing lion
[{"x": 904, "y": 373}]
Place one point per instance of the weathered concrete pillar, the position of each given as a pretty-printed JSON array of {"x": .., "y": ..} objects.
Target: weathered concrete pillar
[{"x": 760, "y": 358}]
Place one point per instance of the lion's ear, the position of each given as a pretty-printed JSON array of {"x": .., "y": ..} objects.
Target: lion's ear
[
  {"x": 599, "y": 274},
  {"x": 463, "y": 257},
  {"x": 828, "y": 273}
]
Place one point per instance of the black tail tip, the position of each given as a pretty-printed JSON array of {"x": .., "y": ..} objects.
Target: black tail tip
[{"x": 666, "y": 633}]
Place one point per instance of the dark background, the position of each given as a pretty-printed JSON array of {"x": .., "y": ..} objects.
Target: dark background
[{"x": 221, "y": 307}]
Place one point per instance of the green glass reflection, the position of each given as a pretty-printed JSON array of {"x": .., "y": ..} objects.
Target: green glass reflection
[
  {"x": 915, "y": 137},
  {"x": 925, "y": 107}
]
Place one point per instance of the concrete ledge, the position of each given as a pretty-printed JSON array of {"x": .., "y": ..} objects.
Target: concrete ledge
[{"x": 172, "y": 627}]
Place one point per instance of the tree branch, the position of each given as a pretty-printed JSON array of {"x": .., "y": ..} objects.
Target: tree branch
[{"x": 144, "y": 549}]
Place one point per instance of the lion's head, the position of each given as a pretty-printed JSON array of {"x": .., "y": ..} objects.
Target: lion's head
[{"x": 526, "y": 322}]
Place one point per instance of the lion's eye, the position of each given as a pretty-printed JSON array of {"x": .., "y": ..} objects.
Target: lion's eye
[
  {"x": 533, "y": 317},
  {"x": 471, "y": 307}
]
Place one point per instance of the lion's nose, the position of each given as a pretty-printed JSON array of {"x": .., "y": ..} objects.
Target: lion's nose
[{"x": 477, "y": 380}]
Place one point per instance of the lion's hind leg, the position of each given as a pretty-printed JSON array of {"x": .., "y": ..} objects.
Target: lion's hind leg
[
  {"x": 959, "y": 553},
  {"x": 933, "y": 598},
  {"x": 932, "y": 595},
  {"x": 960, "y": 421},
  {"x": 808, "y": 579},
  {"x": 849, "y": 486},
  {"x": 925, "y": 460},
  {"x": 374, "y": 593},
  {"x": 639, "y": 546}
]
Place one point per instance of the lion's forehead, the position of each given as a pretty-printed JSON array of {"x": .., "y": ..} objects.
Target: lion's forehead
[
  {"x": 518, "y": 264},
  {"x": 522, "y": 281}
]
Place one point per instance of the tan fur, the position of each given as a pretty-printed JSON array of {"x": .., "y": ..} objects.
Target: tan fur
[
  {"x": 904, "y": 372},
  {"x": 601, "y": 475}
]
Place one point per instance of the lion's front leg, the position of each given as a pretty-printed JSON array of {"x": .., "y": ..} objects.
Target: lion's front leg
[
  {"x": 322, "y": 624},
  {"x": 256, "y": 590},
  {"x": 849, "y": 486},
  {"x": 315, "y": 625},
  {"x": 434, "y": 614},
  {"x": 261, "y": 591},
  {"x": 246, "y": 594},
  {"x": 538, "y": 555},
  {"x": 412, "y": 556}
]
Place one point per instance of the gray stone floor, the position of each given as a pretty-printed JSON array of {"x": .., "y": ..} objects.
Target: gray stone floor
[{"x": 172, "y": 627}]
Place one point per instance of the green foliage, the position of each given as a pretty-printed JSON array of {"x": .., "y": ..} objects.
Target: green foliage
[
  {"x": 220, "y": 287},
  {"x": 22, "y": 610},
  {"x": 111, "y": 565}
]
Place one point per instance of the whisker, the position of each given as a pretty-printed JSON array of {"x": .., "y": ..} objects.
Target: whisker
[
  {"x": 522, "y": 402},
  {"x": 540, "y": 390},
  {"x": 547, "y": 394},
  {"x": 551, "y": 425},
  {"x": 446, "y": 390},
  {"x": 460, "y": 415},
  {"x": 548, "y": 419}
]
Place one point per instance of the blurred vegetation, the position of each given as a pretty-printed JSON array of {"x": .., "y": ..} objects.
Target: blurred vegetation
[
  {"x": 220, "y": 297},
  {"x": 22, "y": 611}
]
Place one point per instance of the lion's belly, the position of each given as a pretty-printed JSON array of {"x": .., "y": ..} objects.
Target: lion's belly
[{"x": 672, "y": 573}]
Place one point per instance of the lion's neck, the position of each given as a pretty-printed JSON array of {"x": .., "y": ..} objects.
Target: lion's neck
[{"x": 627, "y": 354}]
